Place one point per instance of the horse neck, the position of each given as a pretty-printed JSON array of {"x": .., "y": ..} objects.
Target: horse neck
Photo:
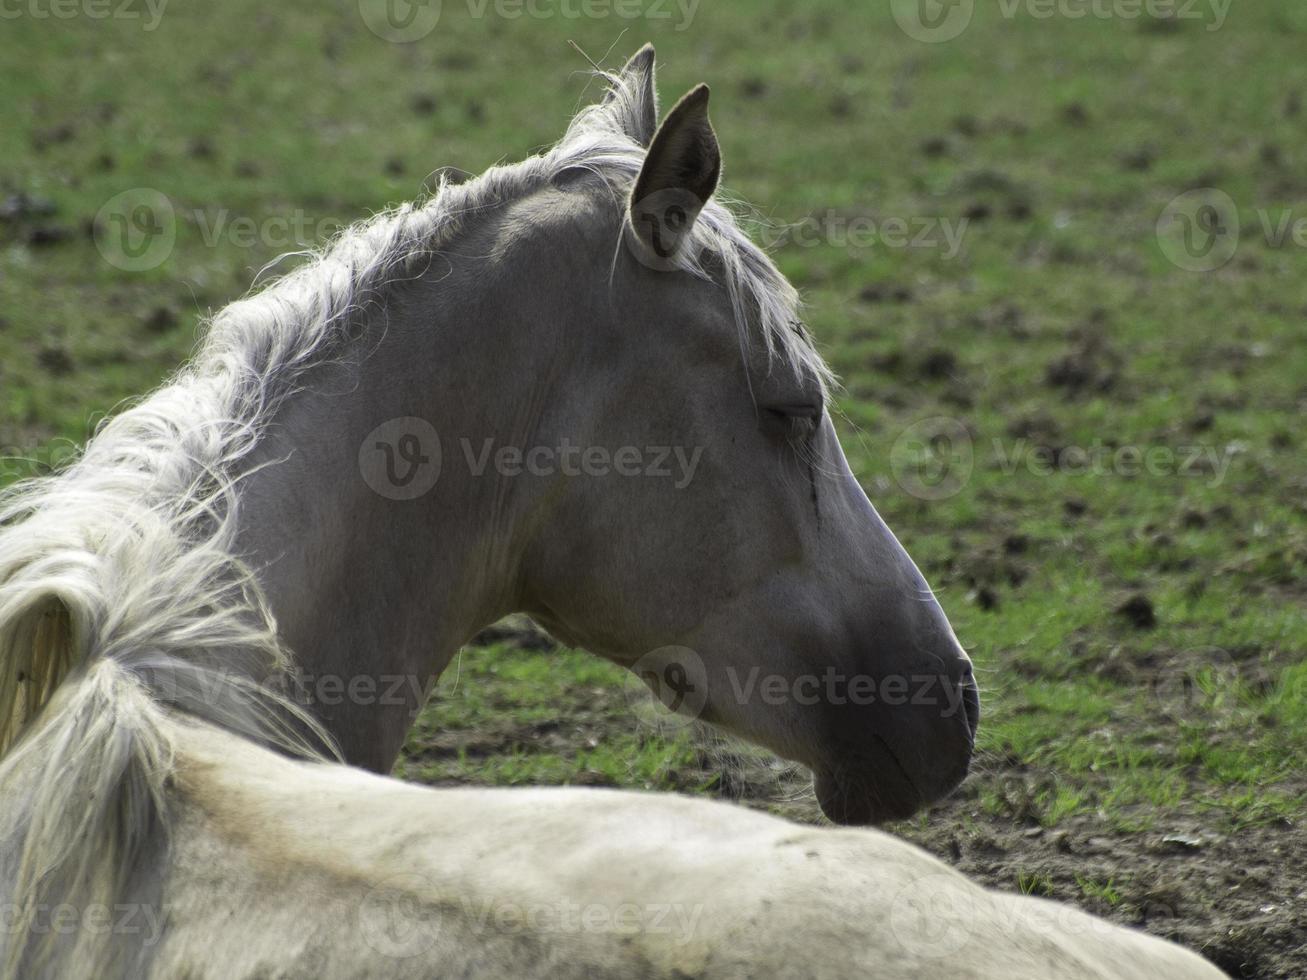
[{"x": 373, "y": 592}]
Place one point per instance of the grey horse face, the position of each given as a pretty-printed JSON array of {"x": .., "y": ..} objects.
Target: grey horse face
[{"x": 709, "y": 533}]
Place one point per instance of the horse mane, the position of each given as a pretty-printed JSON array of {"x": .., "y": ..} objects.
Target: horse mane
[{"x": 122, "y": 596}]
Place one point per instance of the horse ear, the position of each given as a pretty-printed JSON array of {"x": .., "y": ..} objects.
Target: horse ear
[
  {"x": 636, "y": 97},
  {"x": 679, "y": 175}
]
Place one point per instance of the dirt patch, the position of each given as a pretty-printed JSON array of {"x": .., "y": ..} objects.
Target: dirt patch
[{"x": 1238, "y": 898}]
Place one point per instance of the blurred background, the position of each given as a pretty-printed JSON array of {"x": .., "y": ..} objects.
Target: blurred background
[{"x": 1055, "y": 249}]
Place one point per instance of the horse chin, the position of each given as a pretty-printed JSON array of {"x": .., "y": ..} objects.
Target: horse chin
[{"x": 865, "y": 796}]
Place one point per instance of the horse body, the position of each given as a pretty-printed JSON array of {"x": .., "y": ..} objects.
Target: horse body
[{"x": 561, "y": 883}]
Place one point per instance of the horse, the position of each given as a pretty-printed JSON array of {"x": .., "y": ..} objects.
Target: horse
[
  {"x": 174, "y": 808},
  {"x": 460, "y": 411}
]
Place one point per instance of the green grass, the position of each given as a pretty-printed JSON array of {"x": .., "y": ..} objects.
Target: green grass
[
  {"x": 1103, "y": 890},
  {"x": 1034, "y": 883},
  {"x": 295, "y": 109}
]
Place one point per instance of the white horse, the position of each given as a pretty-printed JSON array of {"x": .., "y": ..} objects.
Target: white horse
[
  {"x": 168, "y": 812},
  {"x": 182, "y": 850}
]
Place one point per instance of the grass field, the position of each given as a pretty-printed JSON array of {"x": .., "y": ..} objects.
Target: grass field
[{"x": 1084, "y": 425}]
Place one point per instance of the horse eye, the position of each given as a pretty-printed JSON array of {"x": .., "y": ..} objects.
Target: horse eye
[
  {"x": 798, "y": 421},
  {"x": 812, "y": 411}
]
